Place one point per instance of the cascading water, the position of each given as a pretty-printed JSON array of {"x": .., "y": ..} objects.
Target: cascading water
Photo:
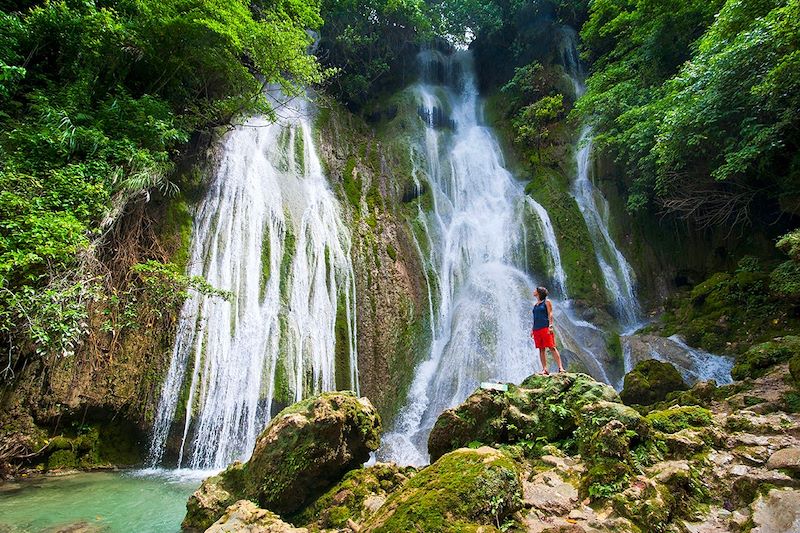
[
  {"x": 482, "y": 293},
  {"x": 618, "y": 276},
  {"x": 269, "y": 230}
]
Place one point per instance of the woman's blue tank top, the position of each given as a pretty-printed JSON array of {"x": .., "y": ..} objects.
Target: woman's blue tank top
[{"x": 540, "y": 315}]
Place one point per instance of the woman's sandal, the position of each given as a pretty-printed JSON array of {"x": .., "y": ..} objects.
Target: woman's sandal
[{"x": 543, "y": 373}]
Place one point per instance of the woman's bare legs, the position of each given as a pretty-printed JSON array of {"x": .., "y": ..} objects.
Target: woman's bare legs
[
  {"x": 557, "y": 357},
  {"x": 543, "y": 358}
]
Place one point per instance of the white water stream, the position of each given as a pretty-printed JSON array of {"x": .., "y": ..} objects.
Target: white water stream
[
  {"x": 482, "y": 295},
  {"x": 270, "y": 231},
  {"x": 618, "y": 276}
]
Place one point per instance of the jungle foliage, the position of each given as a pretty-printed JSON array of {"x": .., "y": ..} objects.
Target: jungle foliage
[
  {"x": 97, "y": 101},
  {"x": 699, "y": 103}
]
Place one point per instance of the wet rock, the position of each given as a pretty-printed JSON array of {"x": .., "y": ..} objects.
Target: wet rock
[
  {"x": 542, "y": 406},
  {"x": 650, "y": 381},
  {"x": 785, "y": 459},
  {"x": 779, "y": 510},
  {"x": 464, "y": 490},
  {"x": 246, "y": 517}
]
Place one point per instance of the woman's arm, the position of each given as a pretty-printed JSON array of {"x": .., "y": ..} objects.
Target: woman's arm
[{"x": 549, "y": 313}]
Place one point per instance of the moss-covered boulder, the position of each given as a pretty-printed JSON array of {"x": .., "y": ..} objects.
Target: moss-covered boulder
[
  {"x": 308, "y": 447},
  {"x": 356, "y": 497},
  {"x": 650, "y": 381},
  {"x": 305, "y": 449},
  {"x": 542, "y": 406},
  {"x": 757, "y": 360},
  {"x": 465, "y": 490},
  {"x": 215, "y": 494}
]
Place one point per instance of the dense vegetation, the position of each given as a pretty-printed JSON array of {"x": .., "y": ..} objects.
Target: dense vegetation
[
  {"x": 698, "y": 102},
  {"x": 97, "y": 102}
]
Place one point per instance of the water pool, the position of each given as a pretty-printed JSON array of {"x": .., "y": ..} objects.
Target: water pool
[{"x": 135, "y": 501}]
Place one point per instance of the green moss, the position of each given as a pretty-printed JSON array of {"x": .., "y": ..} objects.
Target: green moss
[
  {"x": 678, "y": 418},
  {"x": 351, "y": 184},
  {"x": 730, "y": 312},
  {"x": 650, "y": 381},
  {"x": 791, "y": 401},
  {"x": 266, "y": 264},
  {"x": 62, "y": 459},
  {"x": 461, "y": 490},
  {"x": 178, "y": 224},
  {"x": 758, "y": 359},
  {"x": 343, "y": 333},
  {"x": 391, "y": 252},
  {"x": 345, "y": 500}
]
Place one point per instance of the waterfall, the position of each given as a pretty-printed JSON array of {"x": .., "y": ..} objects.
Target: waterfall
[
  {"x": 618, "y": 276},
  {"x": 483, "y": 295},
  {"x": 270, "y": 231}
]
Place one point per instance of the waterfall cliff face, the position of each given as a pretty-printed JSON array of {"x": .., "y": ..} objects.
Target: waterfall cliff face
[
  {"x": 481, "y": 294},
  {"x": 618, "y": 276},
  {"x": 270, "y": 231}
]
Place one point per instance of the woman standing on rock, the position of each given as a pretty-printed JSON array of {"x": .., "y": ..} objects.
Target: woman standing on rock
[{"x": 542, "y": 332}]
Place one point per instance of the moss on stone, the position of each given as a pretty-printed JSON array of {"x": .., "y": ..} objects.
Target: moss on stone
[
  {"x": 547, "y": 407},
  {"x": 346, "y": 500},
  {"x": 757, "y": 360},
  {"x": 678, "y": 418},
  {"x": 650, "y": 381},
  {"x": 464, "y": 489}
]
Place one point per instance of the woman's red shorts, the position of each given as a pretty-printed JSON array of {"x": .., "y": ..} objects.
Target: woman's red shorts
[{"x": 544, "y": 338}]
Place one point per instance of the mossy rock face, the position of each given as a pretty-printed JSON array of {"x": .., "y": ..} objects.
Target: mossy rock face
[
  {"x": 679, "y": 418},
  {"x": 209, "y": 502},
  {"x": 650, "y": 381},
  {"x": 355, "y": 498},
  {"x": 794, "y": 370},
  {"x": 465, "y": 490},
  {"x": 543, "y": 406},
  {"x": 757, "y": 360},
  {"x": 308, "y": 447}
]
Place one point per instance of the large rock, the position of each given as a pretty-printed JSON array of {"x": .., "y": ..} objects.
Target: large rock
[
  {"x": 304, "y": 450},
  {"x": 650, "y": 381},
  {"x": 779, "y": 510},
  {"x": 785, "y": 459},
  {"x": 542, "y": 406},
  {"x": 465, "y": 490},
  {"x": 308, "y": 447}
]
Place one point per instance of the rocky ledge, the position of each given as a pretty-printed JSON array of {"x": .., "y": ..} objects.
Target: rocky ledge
[{"x": 556, "y": 454}]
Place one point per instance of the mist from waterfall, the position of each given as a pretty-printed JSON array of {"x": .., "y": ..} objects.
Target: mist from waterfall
[
  {"x": 480, "y": 292},
  {"x": 270, "y": 231}
]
